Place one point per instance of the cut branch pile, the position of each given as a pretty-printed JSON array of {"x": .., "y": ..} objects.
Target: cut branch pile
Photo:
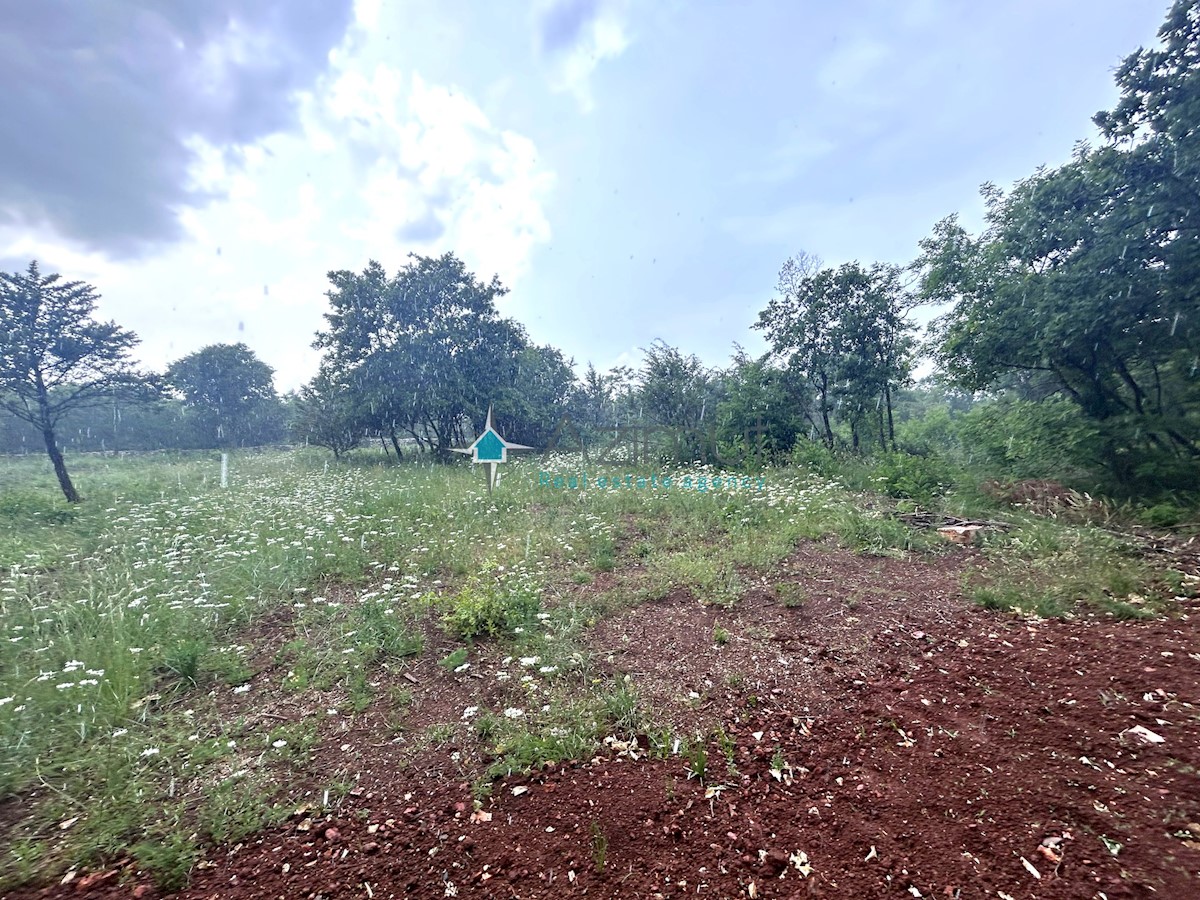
[{"x": 930, "y": 520}]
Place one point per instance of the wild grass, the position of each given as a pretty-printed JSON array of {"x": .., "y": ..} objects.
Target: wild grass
[
  {"x": 128, "y": 623},
  {"x": 1050, "y": 568}
]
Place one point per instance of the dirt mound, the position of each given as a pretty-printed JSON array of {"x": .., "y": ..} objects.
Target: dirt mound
[{"x": 1045, "y": 497}]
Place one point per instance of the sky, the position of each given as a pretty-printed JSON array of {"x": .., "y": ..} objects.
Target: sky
[{"x": 632, "y": 170}]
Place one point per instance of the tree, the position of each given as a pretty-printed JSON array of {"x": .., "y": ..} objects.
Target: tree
[
  {"x": 1075, "y": 282},
  {"x": 530, "y": 411},
  {"x": 424, "y": 351},
  {"x": 592, "y": 404},
  {"x": 763, "y": 405},
  {"x": 844, "y": 333},
  {"x": 231, "y": 394},
  {"x": 614, "y": 398},
  {"x": 675, "y": 389},
  {"x": 54, "y": 358},
  {"x": 1087, "y": 274},
  {"x": 325, "y": 415}
]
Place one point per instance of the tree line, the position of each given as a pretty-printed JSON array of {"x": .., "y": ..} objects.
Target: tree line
[{"x": 1072, "y": 341}]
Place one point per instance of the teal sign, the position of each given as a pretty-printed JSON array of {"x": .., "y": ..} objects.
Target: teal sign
[{"x": 490, "y": 449}]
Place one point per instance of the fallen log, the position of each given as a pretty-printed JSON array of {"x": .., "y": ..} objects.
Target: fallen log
[{"x": 929, "y": 520}]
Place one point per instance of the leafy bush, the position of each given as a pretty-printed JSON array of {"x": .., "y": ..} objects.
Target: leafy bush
[
  {"x": 913, "y": 477},
  {"x": 816, "y": 458},
  {"x": 878, "y": 534},
  {"x": 1026, "y": 439},
  {"x": 1164, "y": 515},
  {"x": 933, "y": 433},
  {"x": 491, "y": 603}
]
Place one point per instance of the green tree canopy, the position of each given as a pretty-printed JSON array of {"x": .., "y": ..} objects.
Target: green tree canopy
[
  {"x": 55, "y": 358},
  {"x": 762, "y": 407},
  {"x": 844, "y": 332},
  {"x": 1089, "y": 272},
  {"x": 675, "y": 389},
  {"x": 424, "y": 351},
  {"x": 543, "y": 386},
  {"x": 325, "y": 415},
  {"x": 230, "y": 393}
]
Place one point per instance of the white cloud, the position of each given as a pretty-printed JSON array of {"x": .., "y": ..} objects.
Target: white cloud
[
  {"x": 22, "y": 242},
  {"x": 603, "y": 35},
  {"x": 366, "y": 13},
  {"x": 442, "y": 176},
  {"x": 384, "y": 164}
]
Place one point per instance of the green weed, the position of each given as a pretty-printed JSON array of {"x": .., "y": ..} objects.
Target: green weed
[
  {"x": 790, "y": 594},
  {"x": 491, "y": 604},
  {"x": 696, "y": 758},
  {"x": 599, "y": 847}
]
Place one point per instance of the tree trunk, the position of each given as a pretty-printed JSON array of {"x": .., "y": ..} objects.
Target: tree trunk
[
  {"x": 396, "y": 443},
  {"x": 887, "y": 394},
  {"x": 824, "y": 396},
  {"x": 60, "y": 466}
]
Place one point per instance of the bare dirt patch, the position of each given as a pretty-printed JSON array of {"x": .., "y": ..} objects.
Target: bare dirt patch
[{"x": 876, "y": 737}]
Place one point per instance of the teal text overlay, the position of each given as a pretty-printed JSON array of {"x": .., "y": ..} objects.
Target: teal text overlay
[{"x": 700, "y": 483}]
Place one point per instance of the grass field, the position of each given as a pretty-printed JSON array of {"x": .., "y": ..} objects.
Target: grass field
[{"x": 133, "y": 625}]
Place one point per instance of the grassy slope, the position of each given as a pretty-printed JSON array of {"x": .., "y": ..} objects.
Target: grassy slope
[{"x": 120, "y": 620}]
